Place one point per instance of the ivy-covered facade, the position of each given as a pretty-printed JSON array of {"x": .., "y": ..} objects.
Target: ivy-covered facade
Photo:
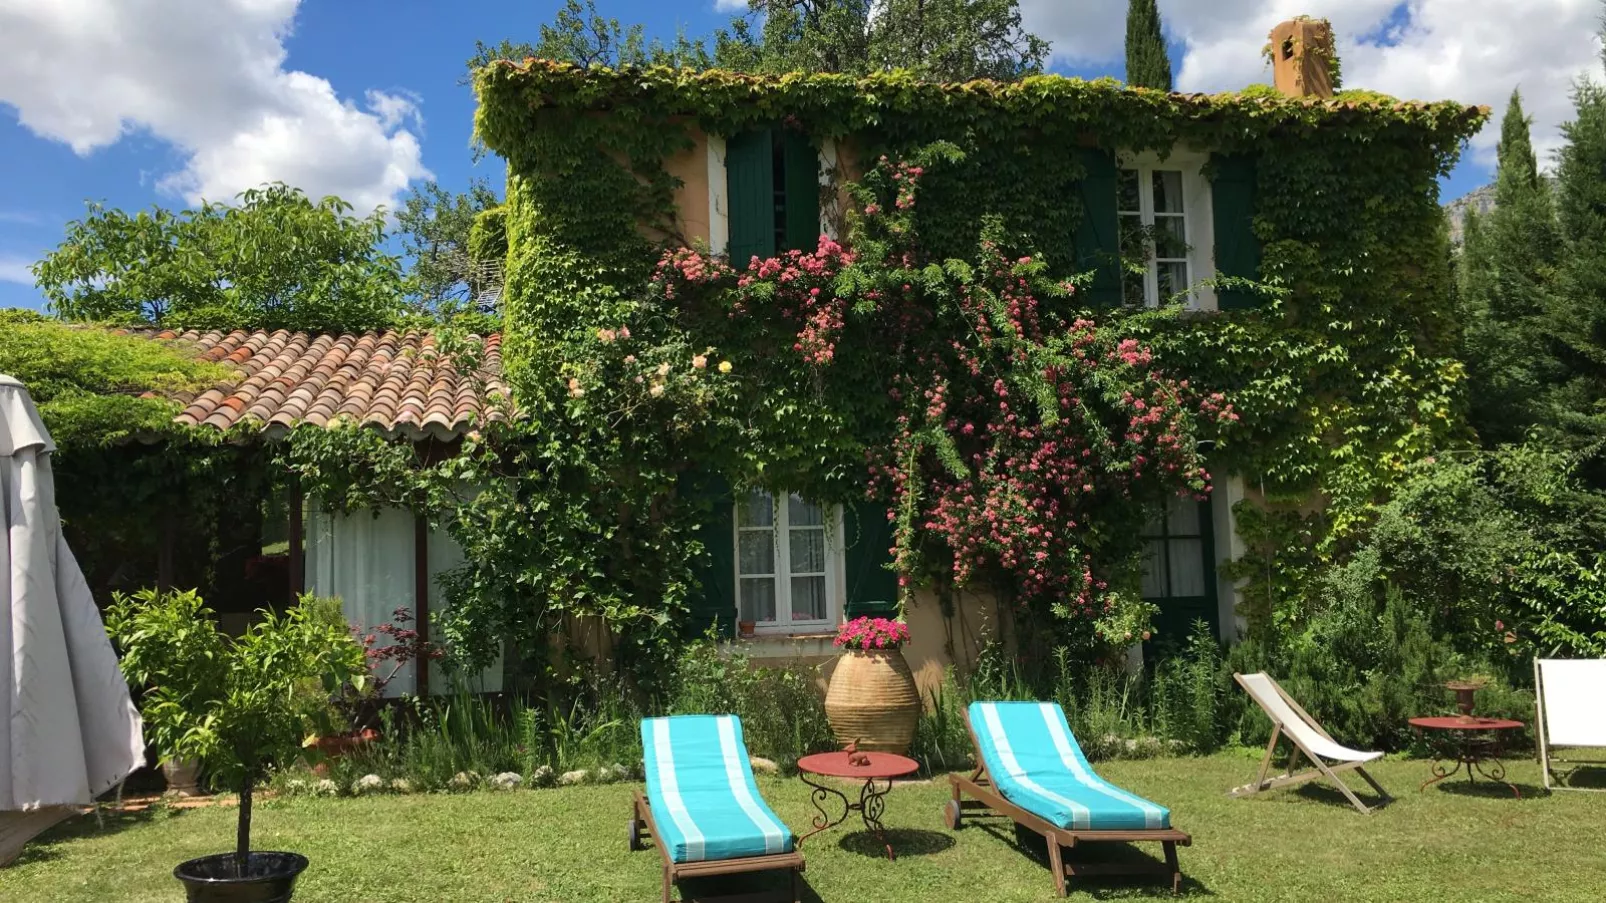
[{"x": 759, "y": 309}]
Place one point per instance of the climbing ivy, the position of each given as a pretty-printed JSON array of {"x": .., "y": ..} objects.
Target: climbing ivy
[{"x": 652, "y": 377}]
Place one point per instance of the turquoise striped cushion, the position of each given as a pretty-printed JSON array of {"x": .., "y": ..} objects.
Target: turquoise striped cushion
[
  {"x": 700, "y": 786},
  {"x": 1036, "y": 764}
]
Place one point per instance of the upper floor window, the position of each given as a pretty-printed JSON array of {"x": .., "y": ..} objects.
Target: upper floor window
[
  {"x": 789, "y": 571},
  {"x": 773, "y": 186},
  {"x": 1166, "y": 230}
]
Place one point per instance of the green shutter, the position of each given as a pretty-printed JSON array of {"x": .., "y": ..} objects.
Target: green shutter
[
  {"x": 1098, "y": 236},
  {"x": 872, "y": 585},
  {"x": 802, "y": 192},
  {"x": 715, "y": 598},
  {"x": 750, "y": 190},
  {"x": 1237, "y": 248}
]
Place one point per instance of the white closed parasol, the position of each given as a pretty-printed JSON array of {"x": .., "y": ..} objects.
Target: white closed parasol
[{"x": 68, "y": 728}]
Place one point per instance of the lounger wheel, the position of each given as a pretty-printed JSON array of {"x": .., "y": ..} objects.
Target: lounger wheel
[
  {"x": 635, "y": 835},
  {"x": 950, "y": 814}
]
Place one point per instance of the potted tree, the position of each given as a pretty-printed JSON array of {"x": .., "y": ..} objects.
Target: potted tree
[{"x": 253, "y": 712}]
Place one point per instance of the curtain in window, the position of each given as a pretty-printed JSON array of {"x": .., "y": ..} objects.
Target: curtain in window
[
  {"x": 445, "y": 554},
  {"x": 1173, "y": 559},
  {"x": 366, "y": 559}
]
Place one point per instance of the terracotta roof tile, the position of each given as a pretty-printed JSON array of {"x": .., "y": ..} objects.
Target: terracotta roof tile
[{"x": 396, "y": 382}]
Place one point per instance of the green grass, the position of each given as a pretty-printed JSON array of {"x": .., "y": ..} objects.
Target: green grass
[{"x": 1446, "y": 844}]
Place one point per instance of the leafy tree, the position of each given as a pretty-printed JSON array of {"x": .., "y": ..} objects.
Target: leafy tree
[
  {"x": 435, "y": 227},
  {"x": 945, "y": 40},
  {"x": 1508, "y": 265},
  {"x": 579, "y": 34},
  {"x": 277, "y": 260},
  {"x": 1147, "y": 63}
]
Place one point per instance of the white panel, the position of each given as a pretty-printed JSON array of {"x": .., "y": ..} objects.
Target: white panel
[{"x": 1575, "y": 701}]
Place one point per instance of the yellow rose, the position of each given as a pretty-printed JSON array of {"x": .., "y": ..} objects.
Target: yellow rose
[{"x": 724, "y": 366}]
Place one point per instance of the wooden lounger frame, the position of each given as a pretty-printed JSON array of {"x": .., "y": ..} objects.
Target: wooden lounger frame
[
  {"x": 1289, "y": 777},
  {"x": 986, "y": 800},
  {"x": 642, "y": 825}
]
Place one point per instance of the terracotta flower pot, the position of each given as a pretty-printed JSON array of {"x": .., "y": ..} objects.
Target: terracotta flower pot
[
  {"x": 340, "y": 745},
  {"x": 873, "y": 700}
]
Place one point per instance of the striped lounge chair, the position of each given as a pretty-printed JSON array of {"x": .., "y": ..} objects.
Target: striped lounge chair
[
  {"x": 1031, "y": 770},
  {"x": 702, "y": 807}
]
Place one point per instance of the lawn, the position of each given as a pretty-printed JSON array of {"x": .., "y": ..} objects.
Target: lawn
[{"x": 1446, "y": 844}]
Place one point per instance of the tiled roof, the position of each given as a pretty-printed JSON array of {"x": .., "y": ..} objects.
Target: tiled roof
[{"x": 395, "y": 382}]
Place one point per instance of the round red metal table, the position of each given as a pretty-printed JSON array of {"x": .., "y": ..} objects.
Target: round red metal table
[
  {"x": 1472, "y": 742},
  {"x": 879, "y": 767}
]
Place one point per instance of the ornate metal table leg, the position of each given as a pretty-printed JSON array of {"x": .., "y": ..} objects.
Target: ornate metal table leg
[
  {"x": 872, "y": 802},
  {"x": 1496, "y": 773},
  {"x": 823, "y": 820},
  {"x": 1440, "y": 773}
]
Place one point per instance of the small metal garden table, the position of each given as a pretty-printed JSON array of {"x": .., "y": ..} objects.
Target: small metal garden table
[
  {"x": 872, "y": 796},
  {"x": 1469, "y": 742}
]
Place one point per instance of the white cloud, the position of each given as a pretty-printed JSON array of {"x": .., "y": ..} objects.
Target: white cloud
[
  {"x": 1474, "y": 51},
  {"x": 730, "y": 6},
  {"x": 15, "y": 269},
  {"x": 207, "y": 76}
]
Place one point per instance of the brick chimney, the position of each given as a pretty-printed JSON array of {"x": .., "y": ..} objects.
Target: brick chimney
[{"x": 1300, "y": 51}]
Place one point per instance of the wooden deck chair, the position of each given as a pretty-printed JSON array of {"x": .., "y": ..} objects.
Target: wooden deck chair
[
  {"x": 1571, "y": 699},
  {"x": 702, "y": 806},
  {"x": 1309, "y": 740},
  {"x": 1030, "y": 769}
]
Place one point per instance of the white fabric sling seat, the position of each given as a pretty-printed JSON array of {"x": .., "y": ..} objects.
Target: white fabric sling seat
[
  {"x": 1309, "y": 740},
  {"x": 1570, "y": 695}
]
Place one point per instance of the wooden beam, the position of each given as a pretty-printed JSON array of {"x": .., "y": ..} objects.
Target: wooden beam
[
  {"x": 421, "y": 601},
  {"x": 298, "y": 569}
]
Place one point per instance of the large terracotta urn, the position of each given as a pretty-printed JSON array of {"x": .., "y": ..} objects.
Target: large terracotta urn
[{"x": 873, "y": 700}]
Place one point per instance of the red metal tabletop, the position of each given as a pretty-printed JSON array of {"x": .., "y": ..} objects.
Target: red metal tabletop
[
  {"x": 1457, "y": 723},
  {"x": 835, "y": 764}
]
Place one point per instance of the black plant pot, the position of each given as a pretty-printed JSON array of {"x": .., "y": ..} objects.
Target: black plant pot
[{"x": 269, "y": 878}]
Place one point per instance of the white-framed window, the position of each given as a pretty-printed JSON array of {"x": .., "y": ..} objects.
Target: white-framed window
[
  {"x": 790, "y": 574},
  {"x": 1166, "y": 227}
]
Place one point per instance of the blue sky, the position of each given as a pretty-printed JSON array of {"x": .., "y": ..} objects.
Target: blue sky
[{"x": 363, "y": 97}]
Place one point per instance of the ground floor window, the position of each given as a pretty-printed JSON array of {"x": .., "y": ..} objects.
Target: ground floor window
[
  {"x": 369, "y": 560},
  {"x": 1179, "y": 573},
  {"x": 789, "y": 567}
]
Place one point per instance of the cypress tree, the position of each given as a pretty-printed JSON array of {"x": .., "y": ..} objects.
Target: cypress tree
[
  {"x": 1147, "y": 63},
  {"x": 1508, "y": 266}
]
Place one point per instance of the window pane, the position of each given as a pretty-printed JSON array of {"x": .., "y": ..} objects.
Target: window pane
[
  {"x": 757, "y": 510},
  {"x": 1172, "y": 278},
  {"x": 808, "y": 598},
  {"x": 1155, "y": 526},
  {"x": 757, "y": 550},
  {"x": 1153, "y": 586},
  {"x": 1167, "y": 191},
  {"x": 758, "y": 600},
  {"x": 802, "y": 513},
  {"x": 1126, "y": 197},
  {"x": 1183, "y": 516},
  {"x": 808, "y": 551},
  {"x": 1186, "y": 567},
  {"x": 1170, "y": 236}
]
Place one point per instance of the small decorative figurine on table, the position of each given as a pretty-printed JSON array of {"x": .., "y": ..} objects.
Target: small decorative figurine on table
[{"x": 855, "y": 758}]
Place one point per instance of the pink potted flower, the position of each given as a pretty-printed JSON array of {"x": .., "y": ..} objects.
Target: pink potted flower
[{"x": 872, "y": 699}]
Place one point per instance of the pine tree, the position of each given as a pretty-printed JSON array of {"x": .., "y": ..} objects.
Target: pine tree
[
  {"x": 1507, "y": 269},
  {"x": 1575, "y": 322},
  {"x": 1147, "y": 63}
]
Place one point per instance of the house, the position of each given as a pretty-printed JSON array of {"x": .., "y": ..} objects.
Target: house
[{"x": 1157, "y": 197}]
